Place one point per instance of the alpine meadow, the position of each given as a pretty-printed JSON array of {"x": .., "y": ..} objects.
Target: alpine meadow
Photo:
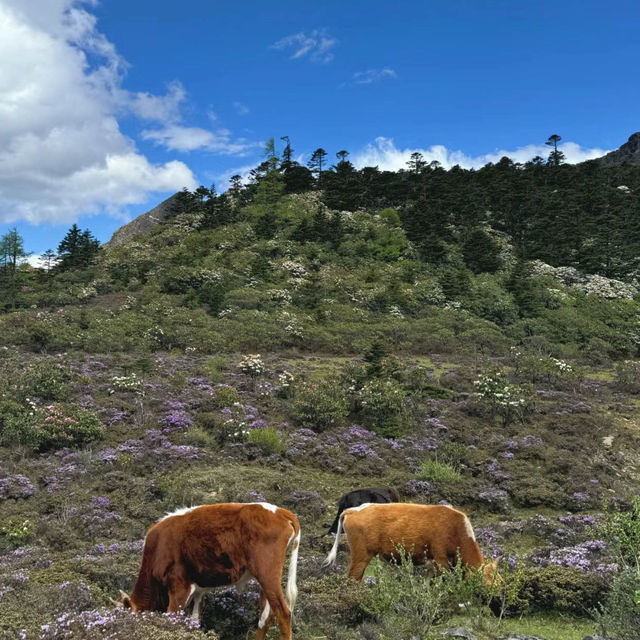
[{"x": 188, "y": 402}]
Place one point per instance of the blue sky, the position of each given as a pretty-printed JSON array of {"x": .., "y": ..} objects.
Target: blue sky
[{"x": 108, "y": 107}]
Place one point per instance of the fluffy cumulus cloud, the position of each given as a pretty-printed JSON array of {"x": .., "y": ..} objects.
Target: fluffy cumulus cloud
[
  {"x": 315, "y": 46},
  {"x": 384, "y": 154},
  {"x": 62, "y": 152}
]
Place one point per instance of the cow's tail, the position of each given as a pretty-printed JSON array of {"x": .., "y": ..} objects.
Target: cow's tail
[
  {"x": 292, "y": 587},
  {"x": 331, "y": 558}
]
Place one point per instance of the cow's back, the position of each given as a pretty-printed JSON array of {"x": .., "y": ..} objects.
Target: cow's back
[{"x": 418, "y": 529}]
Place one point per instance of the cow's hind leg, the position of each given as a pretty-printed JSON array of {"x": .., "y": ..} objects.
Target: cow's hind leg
[
  {"x": 358, "y": 566},
  {"x": 266, "y": 617}
]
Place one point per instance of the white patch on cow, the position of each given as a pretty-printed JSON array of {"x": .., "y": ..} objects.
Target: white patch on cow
[
  {"x": 266, "y": 505},
  {"x": 179, "y": 512},
  {"x": 265, "y": 614},
  {"x": 362, "y": 506},
  {"x": 469, "y": 529}
]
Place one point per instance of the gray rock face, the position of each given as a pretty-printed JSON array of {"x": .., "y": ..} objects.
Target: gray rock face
[
  {"x": 144, "y": 222},
  {"x": 629, "y": 152}
]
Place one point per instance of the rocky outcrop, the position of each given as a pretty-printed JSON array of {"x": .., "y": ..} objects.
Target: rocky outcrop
[
  {"x": 144, "y": 222},
  {"x": 628, "y": 153}
]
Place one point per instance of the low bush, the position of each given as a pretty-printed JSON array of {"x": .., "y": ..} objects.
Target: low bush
[
  {"x": 382, "y": 406},
  {"x": 52, "y": 427},
  {"x": 627, "y": 376},
  {"x": 268, "y": 439},
  {"x": 563, "y": 589},
  {"x": 620, "y": 616},
  {"x": 319, "y": 406}
]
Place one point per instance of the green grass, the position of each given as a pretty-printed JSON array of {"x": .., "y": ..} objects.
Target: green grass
[{"x": 436, "y": 471}]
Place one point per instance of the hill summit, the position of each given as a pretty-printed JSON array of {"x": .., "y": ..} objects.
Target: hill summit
[{"x": 628, "y": 153}]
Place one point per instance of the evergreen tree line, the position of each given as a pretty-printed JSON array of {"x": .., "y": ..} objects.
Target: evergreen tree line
[
  {"x": 583, "y": 215},
  {"x": 77, "y": 250}
]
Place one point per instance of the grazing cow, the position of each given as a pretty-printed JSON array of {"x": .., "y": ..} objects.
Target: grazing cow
[
  {"x": 379, "y": 495},
  {"x": 192, "y": 551},
  {"x": 426, "y": 532}
]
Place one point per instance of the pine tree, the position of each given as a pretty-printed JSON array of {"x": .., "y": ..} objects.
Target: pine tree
[
  {"x": 12, "y": 253},
  {"x": 481, "y": 252},
  {"x": 316, "y": 163}
]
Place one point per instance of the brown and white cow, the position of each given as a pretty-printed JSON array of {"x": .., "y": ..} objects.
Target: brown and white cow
[
  {"x": 192, "y": 551},
  {"x": 426, "y": 532}
]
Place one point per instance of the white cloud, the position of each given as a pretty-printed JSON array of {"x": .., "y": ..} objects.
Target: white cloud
[
  {"x": 241, "y": 109},
  {"x": 62, "y": 152},
  {"x": 222, "y": 179},
  {"x": 316, "y": 46},
  {"x": 384, "y": 154},
  {"x": 372, "y": 75},
  {"x": 179, "y": 138}
]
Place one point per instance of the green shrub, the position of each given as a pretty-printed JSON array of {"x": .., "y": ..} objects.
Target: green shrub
[
  {"x": 319, "y": 406},
  {"x": 439, "y": 472},
  {"x": 564, "y": 589},
  {"x": 627, "y": 376},
  {"x": 268, "y": 439},
  {"x": 621, "y": 530},
  {"x": 408, "y": 601},
  {"x": 531, "y": 367},
  {"x": 46, "y": 380},
  {"x": 17, "y": 532},
  {"x": 381, "y": 404},
  {"x": 215, "y": 367},
  {"x": 224, "y": 396},
  {"x": 620, "y": 616},
  {"x": 53, "y": 427}
]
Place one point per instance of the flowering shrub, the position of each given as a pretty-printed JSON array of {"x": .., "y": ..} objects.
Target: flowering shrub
[
  {"x": 16, "y": 487},
  {"x": 224, "y": 396},
  {"x": 382, "y": 406},
  {"x": 53, "y": 427},
  {"x": 533, "y": 368},
  {"x": 17, "y": 532},
  {"x": 285, "y": 380},
  {"x": 502, "y": 399},
  {"x": 103, "y": 624},
  {"x": 44, "y": 380},
  {"x": 131, "y": 382},
  {"x": 252, "y": 365},
  {"x": 319, "y": 406}
]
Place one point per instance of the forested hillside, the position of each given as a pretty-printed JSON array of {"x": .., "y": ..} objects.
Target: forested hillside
[{"x": 468, "y": 336}]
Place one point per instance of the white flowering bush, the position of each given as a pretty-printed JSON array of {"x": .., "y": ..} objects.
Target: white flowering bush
[
  {"x": 280, "y": 296},
  {"x": 292, "y": 325},
  {"x": 506, "y": 400},
  {"x": 87, "y": 292},
  {"x": 131, "y": 382},
  {"x": 531, "y": 367},
  {"x": 252, "y": 365},
  {"x": 294, "y": 269}
]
